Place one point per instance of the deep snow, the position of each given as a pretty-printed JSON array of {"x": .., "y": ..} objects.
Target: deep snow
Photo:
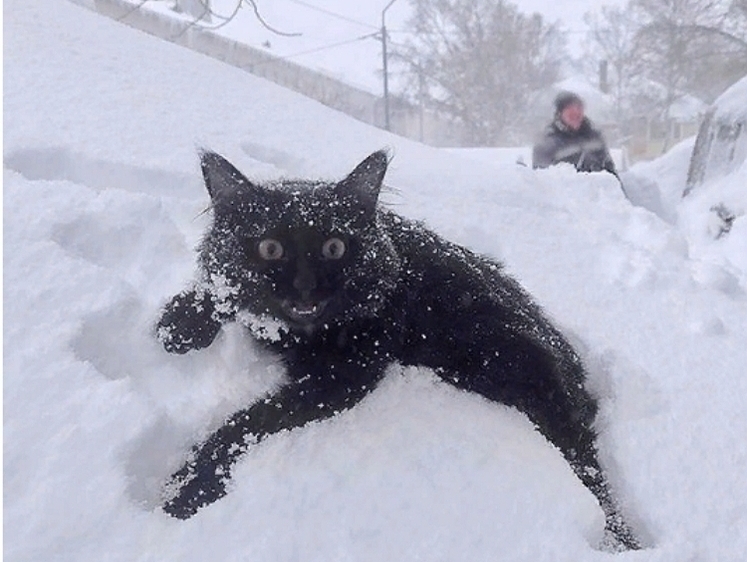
[{"x": 102, "y": 209}]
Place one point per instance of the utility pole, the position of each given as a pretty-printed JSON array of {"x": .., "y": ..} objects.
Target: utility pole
[
  {"x": 421, "y": 101},
  {"x": 387, "y": 125}
]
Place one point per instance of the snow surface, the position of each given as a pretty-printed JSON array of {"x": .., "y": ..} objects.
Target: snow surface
[
  {"x": 732, "y": 104},
  {"x": 102, "y": 209},
  {"x": 696, "y": 218},
  {"x": 658, "y": 185},
  {"x": 521, "y": 155}
]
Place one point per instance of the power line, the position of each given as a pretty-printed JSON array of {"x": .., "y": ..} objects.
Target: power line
[
  {"x": 208, "y": 12},
  {"x": 344, "y": 18},
  {"x": 264, "y": 23},
  {"x": 333, "y": 14},
  {"x": 322, "y": 48}
]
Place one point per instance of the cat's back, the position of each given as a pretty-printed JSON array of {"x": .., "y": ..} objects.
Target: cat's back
[
  {"x": 429, "y": 259},
  {"x": 447, "y": 282},
  {"x": 461, "y": 305}
]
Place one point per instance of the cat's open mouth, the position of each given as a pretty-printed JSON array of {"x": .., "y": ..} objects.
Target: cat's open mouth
[{"x": 303, "y": 312}]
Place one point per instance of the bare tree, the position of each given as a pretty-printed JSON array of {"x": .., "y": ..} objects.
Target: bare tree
[
  {"x": 612, "y": 38},
  {"x": 696, "y": 47},
  {"x": 719, "y": 48},
  {"x": 479, "y": 61},
  {"x": 699, "y": 46},
  {"x": 662, "y": 44}
]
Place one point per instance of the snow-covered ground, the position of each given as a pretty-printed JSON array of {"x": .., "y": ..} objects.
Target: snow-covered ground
[
  {"x": 102, "y": 209},
  {"x": 712, "y": 211},
  {"x": 521, "y": 155}
]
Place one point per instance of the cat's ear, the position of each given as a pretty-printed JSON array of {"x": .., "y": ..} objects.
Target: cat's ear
[
  {"x": 365, "y": 181},
  {"x": 222, "y": 179}
]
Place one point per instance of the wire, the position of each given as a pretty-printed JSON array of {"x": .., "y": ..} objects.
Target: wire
[
  {"x": 326, "y": 47},
  {"x": 345, "y": 18},
  {"x": 333, "y": 14},
  {"x": 227, "y": 19},
  {"x": 276, "y": 58},
  {"x": 263, "y": 22},
  {"x": 132, "y": 10},
  {"x": 208, "y": 12}
]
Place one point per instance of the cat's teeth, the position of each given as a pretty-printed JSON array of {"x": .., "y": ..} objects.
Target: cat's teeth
[
  {"x": 306, "y": 310},
  {"x": 302, "y": 311}
]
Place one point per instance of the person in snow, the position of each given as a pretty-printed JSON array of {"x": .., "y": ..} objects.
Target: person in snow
[{"x": 572, "y": 138}]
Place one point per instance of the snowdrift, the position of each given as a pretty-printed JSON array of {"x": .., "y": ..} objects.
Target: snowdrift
[
  {"x": 102, "y": 209},
  {"x": 700, "y": 186}
]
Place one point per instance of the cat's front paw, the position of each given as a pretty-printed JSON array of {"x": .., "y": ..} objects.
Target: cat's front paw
[{"x": 187, "y": 323}]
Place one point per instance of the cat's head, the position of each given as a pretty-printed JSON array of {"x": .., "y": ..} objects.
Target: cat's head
[{"x": 307, "y": 253}]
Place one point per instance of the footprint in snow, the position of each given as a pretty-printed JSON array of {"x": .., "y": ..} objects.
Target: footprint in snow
[{"x": 62, "y": 163}]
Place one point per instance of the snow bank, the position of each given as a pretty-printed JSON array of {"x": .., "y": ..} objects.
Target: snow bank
[
  {"x": 731, "y": 104},
  {"x": 521, "y": 155},
  {"x": 699, "y": 186},
  {"x": 714, "y": 218},
  {"x": 658, "y": 185},
  {"x": 103, "y": 206}
]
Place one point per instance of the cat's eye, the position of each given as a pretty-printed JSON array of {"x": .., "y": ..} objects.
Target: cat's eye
[
  {"x": 333, "y": 249},
  {"x": 270, "y": 249}
]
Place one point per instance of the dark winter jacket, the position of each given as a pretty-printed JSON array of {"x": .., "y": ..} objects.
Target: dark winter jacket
[{"x": 584, "y": 148}]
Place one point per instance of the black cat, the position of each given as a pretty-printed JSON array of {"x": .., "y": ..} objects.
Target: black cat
[{"x": 339, "y": 288}]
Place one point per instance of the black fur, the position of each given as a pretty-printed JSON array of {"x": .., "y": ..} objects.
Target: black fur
[{"x": 340, "y": 288}]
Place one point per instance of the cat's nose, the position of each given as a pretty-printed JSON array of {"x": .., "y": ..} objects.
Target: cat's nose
[{"x": 305, "y": 281}]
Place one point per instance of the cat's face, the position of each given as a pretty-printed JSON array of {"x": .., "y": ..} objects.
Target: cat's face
[{"x": 306, "y": 253}]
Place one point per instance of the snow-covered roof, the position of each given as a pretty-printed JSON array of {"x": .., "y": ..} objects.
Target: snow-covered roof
[{"x": 687, "y": 108}]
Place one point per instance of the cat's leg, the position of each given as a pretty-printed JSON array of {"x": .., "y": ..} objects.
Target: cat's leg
[
  {"x": 567, "y": 421},
  {"x": 310, "y": 397},
  {"x": 188, "y": 322},
  {"x": 563, "y": 412}
]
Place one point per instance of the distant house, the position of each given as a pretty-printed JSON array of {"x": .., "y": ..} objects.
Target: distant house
[{"x": 656, "y": 127}]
